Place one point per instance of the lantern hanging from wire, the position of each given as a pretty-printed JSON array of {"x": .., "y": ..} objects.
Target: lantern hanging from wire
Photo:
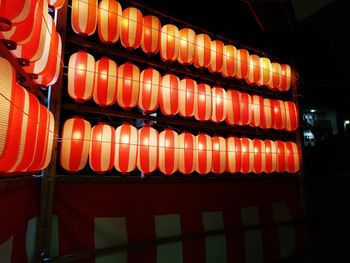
[
  {"x": 292, "y": 116},
  {"x": 203, "y": 161},
  {"x": 203, "y": 107},
  {"x": 229, "y": 66},
  {"x": 187, "y": 94},
  {"x": 147, "y": 151},
  {"x": 169, "y": 43},
  {"x": 267, "y": 121},
  {"x": 292, "y": 157},
  {"x": 257, "y": 111},
  {"x": 216, "y": 56},
  {"x": 247, "y": 155},
  {"x": 218, "y": 96},
  {"x": 276, "y": 76},
  {"x": 253, "y": 75},
  {"x": 265, "y": 71},
  {"x": 234, "y": 154},
  {"x": 202, "y": 51},
  {"x": 169, "y": 95},
  {"x": 131, "y": 28},
  {"x": 279, "y": 113},
  {"x": 259, "y": 156},
  {"x": 245, "y": 102},
  {"x": 286, "y": 75},
  {"x": 128, "y": 85},
  {"x": 281, "y": 156},
  {"x": 187, "y": 43},
  {"x": 218, "y": 155},
  {"x": 187, "y": 152},
  {"x": 150, "y": 43},
  {"x": 149, "y": 90},
  {"x": 233, "y": 107},
  {"x": 242, "y": 60},
  {"x": 270, "y": 156},
  {"x": 13, "y": 12},
  {"x": 168, "y": 154},
  {"x": 109, "y": 21},
  {"x": 84, "y": 17}
]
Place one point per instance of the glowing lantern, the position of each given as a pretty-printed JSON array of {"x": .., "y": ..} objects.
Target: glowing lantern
[
  {"x": 132, "y": 25},
  {"x": 13, "y": 12},
  {"x": 276, "y": 77},
  {"x": 128, "y": 86},
  {"x": 106, "y": 79},
  {"x": 242, "y": 64},
  {"x": 169, "y": 43},
  {"x": 286, "y": 73},
  {"x": 125, "y": 148},
  {"x": 253, "y": 70},
  {"x": 149, "y": 90},
  {"x": 292, "y": 118},
  {"x": 245, "y": 102},
  {"x": 81, "y": 71},
  {"x": 203, "y": 161},
  {"x": 187, "y": 92},
  {"x": 229, "y": 66},
  {"x": 203, "y": 107},
  {"x": 168, "y": 154},
  {"x": 147, "y": 151},
  {"x": 267, "y": 114},
  {"x": 218, "y": 96},
  {"x": 281, "y": 156},
  {"x": 233, "y": 107},
  {"x": 187, "y": 153},
  {"x": 270, "y": 156},
  {"x": 257, "y": 111},
  {"x": 169, "y": 93},
  {"x": 84, "y": 17},
  {"x": 151, "y": 35},
  {"x": 247, "y": 155},
  {"x": 216, "y": 56},
  {"x": 279, "y": 112},
  {"x": 202, "y": 51},
  {"x": 259, "y": 156},
  {"x": 187, "y": 41},
  {"x": 109, "y": 19},
  {"x": 76, "y": 135},
  {"x": 234, "y": 155},
  {"x": 292, "y": 157},
  {"x": 102, "y": 148},
  {"x": 265, "y": 71},
  {"x": 218, "y": 154},
  {"x": 57, "y": 4}
]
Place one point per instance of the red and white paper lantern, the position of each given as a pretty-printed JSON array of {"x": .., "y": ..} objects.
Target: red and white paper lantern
[
  {"x": 276, "y": 78},
  {"x": 267, "y": 121},
  {"x": 202, "y": 51},
  {"x": 128, "y": 85},
  {"x": 247, "y": 155},
  {"x": 132, "y": 28},
  {"x": 253, "y": 70},
  {"x": 279, "y": 112},
  {"x": 187, "y": 152},
  {"x": 13, "y": 12},
  {"x": 218, "y": 96},
  {"x": 125, "y": 148},
  {"x": 187, "y": 94},
  {"x": 257, "y": 111},
  {"x": 292, "y": 157},
  {"x": 229, "y": 66},
  {"x": 233, "y": 155},
  {"x": 203, "y": 161},
  {"x": 286, "y": 80},
  {"x": 218, "y": 154},
  {"x": 169, "y": 95},
  {"x": 169, "y": 43},
  {"x": 84, "y": 17},
  {"x": 149, "y": 90},
  {"x": 265, "y": 71},
  {"x": 168, "y": 154},
  {"x": 233, "y": 107},
  {"x": 242, "y": 64},
  {"x": 187, "y": 42},
  {"x": 281, "y": 156},
  {"x": 292, "y": 116},
  {"x": 150, "y": 43},
  {"x": 203, "y": 107},
  {"x": 147, "y": 151},
  {"x": 245, "y": 102},
  {"x": 270, "y": 156},
  {"x": 216, "y": 56},
  {"x": 109, "y": 21},
  {"x": 259, "y": 156}
]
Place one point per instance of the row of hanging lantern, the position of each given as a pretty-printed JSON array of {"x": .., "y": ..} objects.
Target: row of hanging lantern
[
  {"x": 184, "y": 46},
  {"x": 127, "y": 148},
  {"x": 29, "y": 27},
  {"x": 107, "y": 84},
  {"x": 26, "y": 134}
]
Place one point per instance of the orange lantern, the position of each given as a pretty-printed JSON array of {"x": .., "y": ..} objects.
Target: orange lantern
[
  {"x": 105, "y": 85},
  {"x": 245, "y": 102},
  {"x": 125, "y": 148},
  {"x": 151, "y": 35},
  {"x": 169, "y": 43},
  {"x": 270, "y": 156},
  {"x": 149, "y": 90},
  {"x": 233, "y": 107},
  {"x": 292, "y": 117},
  {"x": 267, "y": 120},
  {"x": 279, "y": 112},
  {"x": 242, "y": 63},
  {"x": 187, "y": 41},
  {"x": 234, "y": 155},
  {"x": 128, "y": 85},
  {"x": 187, "y": 152},
  {"x": 276, "y": 77},
  {"x": 259, "y": 156},
  {"x": 281, "y": 156},
  {"x": 84, "y": 17},
  {"x": 257, "y": 111},
  {"x": 253, "y": 70},
  {"x": 49, "y": 141},
  {"x": 292, "y": 157},
  {"x": 202, "y": 51},
  {"x": 169, "y": 95},
  {"x": 56, "y": 4},
  {"x": 168, "y": 154},
  {"x": 102, "y": 148},
  {"x": 203, "y": 105},
  {"x": 132, "y": 25},
  {"x": 229, "y": 66},
  {"x": 218, "y": 154},
  {"x": 187, "y": 93},
  {"x": 216, "y": 56},
  {"x": 203, "y": 161},
  {"x": 75, "y": 144},
  {"x": 13, "y": 12},
  {"x": 109, "y": 19},
  {"x": 218, "y": 96},
  {"x": 247, "y": 155},
  {"x": 286, "y": 73},
  {"x": 265, "y": 72},
  {"x": 147, "y": 151},
  {"x": 81, "y": 71}
]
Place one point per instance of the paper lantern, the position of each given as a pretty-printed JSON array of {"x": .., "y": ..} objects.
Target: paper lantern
[
  {"x": 13, "y": 12},
  {"x": 149, "y": 90},
  {"x": 286, "y": 73},
  {"x": 187, "y": 93},
  {"x": 257, "y": 111},
  {"x": 202, "y": 51},
  {"x": 81, "y": 72},
  {"x": 187, "y": 42},
  {"x": 187, "y": 152},
  {"x": 247, "y": 155},
  {"x": 147, "y": 151},
  {"x": 276, "y": 78},
  {"x": 203, "y": 105},
  {"x": 216, "y": 56},
  {"x": 279, "y": 113},
  {"x": 265, "y": 72},
  {"x": 218, "y": 96},
  {"x": 56, "y": 4},
  {"x": 259, "y": 156},
  {"x": 281, "y": 156},
  {"x": 270, "y": 156},
  {"x": 233, "y": 107},
  {"x": 169, "y": 95},
  {"x": 253, "y": 75},
  {"x": 102, "y": 148},
  {"x": 132, "y": 25},
  {"x": 245, "y": 102},
  {"x": 169, "y": 43},
  {"x": 218, "y": 154},
  {"x": 267, "y": 121},
  {"x": 105, "y": 84},
  {"x": 233, "y": 155},
  {"x": 203, "y": 161},
  {"x": 168, "y": 154},
  {"x": 229, "y": 66},
  {"x": 125, "y": 148},
  {"x": 242, "y": 64},
  {"x": 75, "y": 144},
  {"x": 109, "y": 20},
  {"x": 151, "y": 35},
  {"x": 292, "y": 157},
  {"x": 84, "y": 17},
  {"x": 292, "y": 116},
  {"x": 128, "y": 86}
]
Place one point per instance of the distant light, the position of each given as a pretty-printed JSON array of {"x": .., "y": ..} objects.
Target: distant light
[
  {"x": 347, "y": 122},
  {"x": 312, "y": 110}
]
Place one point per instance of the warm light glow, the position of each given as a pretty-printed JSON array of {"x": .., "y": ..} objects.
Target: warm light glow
[
  {"x": 267, "y": 150},
  {"x": 103, "y": 74},
  {"x": 167, "y": 143},
  {"x": 244, "y": 149},
  {"x": 76, "y": 135},
  {"x": 216, "y": 146},
  {"x": 147, "y": 32},
  {"x": 170, "y": 37},
  {"x": 99, "y": 137},
  {"x": 80, "y": 68},
  {"x": 147, "y": 85},
  {"x": 275, "y": 109},
  {"x": 188, "y": 94},
  {"x": 183, "y": 41},
  {"x": 256, "y": 150},
  {"x": 125, "y": 22},
  {"x": 145, "y": 141},
  {"x": 200, "y": 146},
  {"x": 125, "y": 139},
  {"x": 127, "y": 82},
  {"x": 202, "y": 97}
]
